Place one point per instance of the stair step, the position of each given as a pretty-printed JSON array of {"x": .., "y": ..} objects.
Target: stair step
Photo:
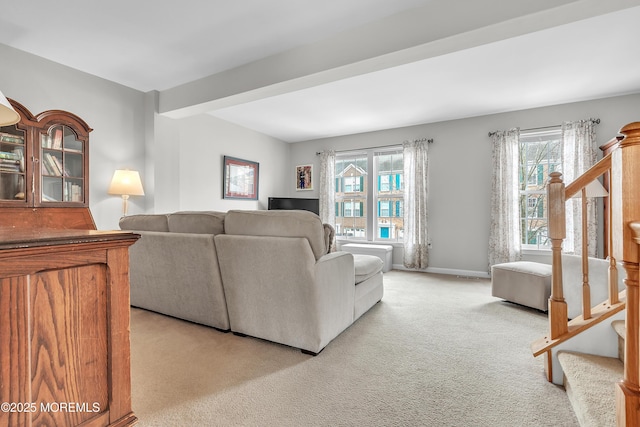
[
  {"x": 590, "y": 384},
  {"x": 621, "y": 330},
  {"x": 618, "y": 326}
]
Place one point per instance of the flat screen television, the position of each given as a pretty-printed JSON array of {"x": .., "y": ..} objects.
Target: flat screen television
[{"x": 312, "y": 205}]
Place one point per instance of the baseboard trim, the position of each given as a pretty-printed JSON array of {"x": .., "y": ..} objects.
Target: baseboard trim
[{"x": 449, "y": 271}]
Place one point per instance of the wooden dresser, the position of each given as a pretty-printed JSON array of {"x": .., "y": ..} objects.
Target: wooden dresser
[{"x": 64, "y": 320}]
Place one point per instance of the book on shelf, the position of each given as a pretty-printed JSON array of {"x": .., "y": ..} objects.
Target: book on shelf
[
  {"x": 47, "y": 141},
  {"x": 50, "y": 163},
  {"x": 45, "y": 169},
  {"x": 57, "y": 139},
  {"x": 72, "y": 192},
  {"x": 10, "y": 156},
  {"x": 7, "y": 137},
  {"x": 9, "y": 169},
  {"x": 61, "y": 171},
  {"x": 48, "y": 198},
  {"x": 4, "y": 167},
  {"x": 9, "y": 162}
]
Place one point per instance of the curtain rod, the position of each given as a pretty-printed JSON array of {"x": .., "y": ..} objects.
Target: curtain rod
[
  {"x": 596, "y": 121},
  {"x": 429, "y": 141}
]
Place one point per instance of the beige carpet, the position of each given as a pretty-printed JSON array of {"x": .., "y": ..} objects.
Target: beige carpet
[{"x": 437, "y": 351}]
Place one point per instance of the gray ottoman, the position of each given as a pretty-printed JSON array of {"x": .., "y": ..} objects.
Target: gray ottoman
[{"x": 523, "y": 282}]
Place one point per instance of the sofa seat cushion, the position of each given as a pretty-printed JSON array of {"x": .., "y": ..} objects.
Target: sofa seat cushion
[
  {"x": 145, "y": 222},
  {"x": 366, "y": 266},
  {"x": 368, "y": 293},
  {"x": 197, "y": 222}
]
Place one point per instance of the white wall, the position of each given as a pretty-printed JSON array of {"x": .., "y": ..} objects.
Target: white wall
[
  {"x": 203, "y": 142},
  {"x": 180, "y": 161},
  {"x": 460, "y": 170},
  {"x": 113, "y": 111}
]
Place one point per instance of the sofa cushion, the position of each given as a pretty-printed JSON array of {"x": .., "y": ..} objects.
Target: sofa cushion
[
  {"x": 197, "y": 222},
  {"x": 145, "y": 222},
  {"x": 279, "y": 223},
  {"x": 366, "y": 266},
  {"x": 329, "y": 235}
]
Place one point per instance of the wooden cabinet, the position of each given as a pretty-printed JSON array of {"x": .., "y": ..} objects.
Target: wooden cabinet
[
  {"x": 44, "y": 160},
  {"x": 64, "y": 328}
]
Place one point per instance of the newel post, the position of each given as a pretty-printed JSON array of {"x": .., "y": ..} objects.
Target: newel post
[
  {"x": 557, "y": 232},
  {"x": 625, "y": 214}
]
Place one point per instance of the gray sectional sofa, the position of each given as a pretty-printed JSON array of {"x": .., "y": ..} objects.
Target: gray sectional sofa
[{"x": 266, "y": 274}]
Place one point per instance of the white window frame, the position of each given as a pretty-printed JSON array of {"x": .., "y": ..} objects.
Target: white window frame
[
  {"x": 550, "y": 134},
  {"x": 372, "y": 196}
]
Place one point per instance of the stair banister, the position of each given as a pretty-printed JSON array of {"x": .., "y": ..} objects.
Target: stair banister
[
  {"x": 625, "y": 214},
  {"x": 586, "y": 289},
  {"x": 613, "y": 265},
  {"x": 557, "y": 232},
  {"x": 579, "y": 185}
]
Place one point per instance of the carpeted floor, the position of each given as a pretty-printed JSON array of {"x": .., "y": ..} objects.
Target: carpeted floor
[{"x": 437, "y": 351}]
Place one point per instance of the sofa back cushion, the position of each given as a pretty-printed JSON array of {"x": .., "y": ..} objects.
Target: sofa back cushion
[
  {"x": 198, "y": 222},
  {"x": 145, "y": 222},
  {"x": 279, "y": 223}
]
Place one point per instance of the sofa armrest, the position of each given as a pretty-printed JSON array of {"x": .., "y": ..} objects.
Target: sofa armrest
[{"x": 276, "y": 290}]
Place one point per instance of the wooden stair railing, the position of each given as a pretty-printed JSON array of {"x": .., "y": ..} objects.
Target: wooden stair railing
[
  {"x": 558, "y": 195},
  {"x": 623, "y": 169},
  {"x": 560, "y": 328},
  {"x": 625, "y": 214}
]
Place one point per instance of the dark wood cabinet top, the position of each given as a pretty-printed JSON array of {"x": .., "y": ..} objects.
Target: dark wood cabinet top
[{"x": 15, "y": 239}]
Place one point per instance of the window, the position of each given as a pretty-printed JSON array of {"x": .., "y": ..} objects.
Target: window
[
  {"x": 380, "y": 193},
  {"x": 540, "y": 154},
  {"x": 353, "y": 184}
]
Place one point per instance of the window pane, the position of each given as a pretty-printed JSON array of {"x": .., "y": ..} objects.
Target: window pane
[
  {"x": 351, "y": 196},
  {"x": 389, "y": 168},
  {"x": 540, "y": 154},
  {"x": 385, "y": 197}
]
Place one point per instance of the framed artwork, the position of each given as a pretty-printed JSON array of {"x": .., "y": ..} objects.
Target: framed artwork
[
  {"x": 304, "y": 177},
  {"x": 240, "y": 178}
]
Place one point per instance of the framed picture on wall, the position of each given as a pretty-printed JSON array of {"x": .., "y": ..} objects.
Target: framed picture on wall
[
  {"x": 304, "y": 177},
  {"x": 240, "y": 178}
]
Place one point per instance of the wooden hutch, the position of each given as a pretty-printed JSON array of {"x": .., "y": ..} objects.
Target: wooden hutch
[{"x": 64, "y": 286}]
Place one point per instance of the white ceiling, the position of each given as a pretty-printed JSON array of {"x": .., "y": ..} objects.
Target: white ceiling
[
  {"x": 584, "y": 60},
  {"x": 152, "y": 45}
]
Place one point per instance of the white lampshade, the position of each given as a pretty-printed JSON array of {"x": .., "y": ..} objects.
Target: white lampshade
[
  {"x": 126, "y": 182},
  {"x": 594, "y": 189},
  {"x": 8, "y": 116}
]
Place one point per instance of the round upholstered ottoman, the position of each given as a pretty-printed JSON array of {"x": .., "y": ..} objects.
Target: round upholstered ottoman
[{"x": 523, "y": 282}]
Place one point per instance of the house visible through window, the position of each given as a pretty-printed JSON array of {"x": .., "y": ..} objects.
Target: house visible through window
[
  {"x": 540, "y": 153},
  {"x": 369, "y": 206}
]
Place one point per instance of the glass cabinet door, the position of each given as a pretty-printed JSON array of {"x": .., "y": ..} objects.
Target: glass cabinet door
[
  {"x": 62, "y": 159},
  {"x": 12, "y": 164}
]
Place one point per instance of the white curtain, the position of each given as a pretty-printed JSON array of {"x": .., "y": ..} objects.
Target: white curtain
[
  {"x": 327, "y": 186},
  {"x": 505, "y": 229},
  {"x": 579, "y": 154},
  {"x": 416, "y": 190}
]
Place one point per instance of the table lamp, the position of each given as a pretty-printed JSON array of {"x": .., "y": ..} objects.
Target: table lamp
[{"x": 126, "y": 183}]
